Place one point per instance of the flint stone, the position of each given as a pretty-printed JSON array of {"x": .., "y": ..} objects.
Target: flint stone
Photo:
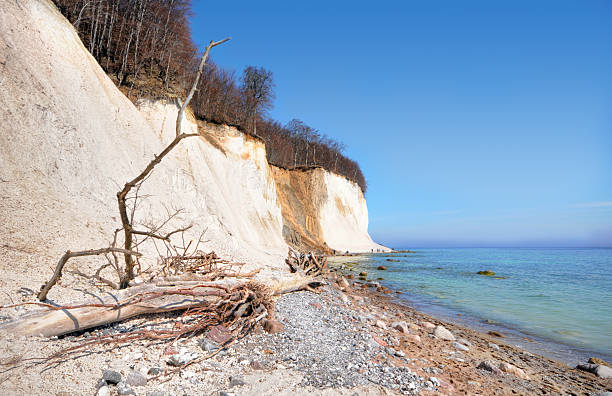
[
  {"x": 489, "y": 366},
  {"x": 135, "y": 378},
  {"x": 493, "y": 346},
  {"x": 510, "y": 369},
  {"x": 236, "y": 381},
  {"x": 402, "y": 327},
  {"x": 208, "y": 345},
  {"x": 123, "y": 389},
  {"x": 182, "y": 358},
  {"x": 428, "y": 325},
  {"x": 442, "y": 333},
  {"x": 380, "y": 324},
  {"x": 460, "y": 347},
  {"x": 111, "y": 377},
  {"x": 413, "y": 338},
  {"x": 103, "y": 391},
  {"x": 597, "y": 369}
]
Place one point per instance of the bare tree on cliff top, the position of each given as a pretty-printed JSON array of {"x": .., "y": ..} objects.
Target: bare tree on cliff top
[{"x": 258, "y": 90}]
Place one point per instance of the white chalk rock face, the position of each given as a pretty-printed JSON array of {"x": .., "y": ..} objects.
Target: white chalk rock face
[
  {"x": 70, "y": 139},
  {"x": 344, "y": 216}
]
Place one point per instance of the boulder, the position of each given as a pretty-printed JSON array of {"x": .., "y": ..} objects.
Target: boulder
[
  {"x": 510, "y": 369},
  {"x": 442, "y": 333}
]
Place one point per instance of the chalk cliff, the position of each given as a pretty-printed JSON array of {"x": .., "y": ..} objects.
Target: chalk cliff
[{"x": 70, "y": 139}]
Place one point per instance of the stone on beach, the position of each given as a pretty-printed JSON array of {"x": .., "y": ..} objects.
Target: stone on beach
[
  {"x": 111, "y": 377},
  {"x": 343, "y": 282},
  {"x": 598, "y": 369},
  {"x": 510, "y": 369},
  {"x": 182, "y": 358},
  {"x": 413, "y": 338},
  {"x": 380, "y": 324},
  {"x": 273, "y": 326},
  {"x": 594, "y": 360},
  {"x": 487, "y": 365},
  {"x": 460, "y": 347},
  {"x": 135, "y": 378},
  {"x": 428, "y": 325},
  {"x": 442, "y": 333},
  {"x": 402, "y": 327}
]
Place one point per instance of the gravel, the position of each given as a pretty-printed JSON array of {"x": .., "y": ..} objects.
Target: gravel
[{"x": 330, "y": 345}]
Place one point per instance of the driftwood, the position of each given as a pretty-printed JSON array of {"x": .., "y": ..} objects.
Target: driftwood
[
  {"x": 306, "y": 264},
  {"x": 128, "y": 303}
]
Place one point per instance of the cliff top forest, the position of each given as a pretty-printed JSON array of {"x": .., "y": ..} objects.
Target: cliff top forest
[{"x": 146, "y": 47}]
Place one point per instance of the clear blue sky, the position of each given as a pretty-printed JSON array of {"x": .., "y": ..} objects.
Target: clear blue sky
[{"x": 476, "y": 123}]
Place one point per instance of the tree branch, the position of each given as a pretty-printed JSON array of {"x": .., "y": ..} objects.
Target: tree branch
[{"x": 42, "y": 295}]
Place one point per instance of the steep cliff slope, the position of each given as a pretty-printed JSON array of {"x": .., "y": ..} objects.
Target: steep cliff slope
[
  {"x": 70, "y": 139},
  {"x": 323, "y": 211}
]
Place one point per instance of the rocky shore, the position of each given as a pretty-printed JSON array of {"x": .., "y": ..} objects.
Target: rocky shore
[{"x": 345, "y": 340}]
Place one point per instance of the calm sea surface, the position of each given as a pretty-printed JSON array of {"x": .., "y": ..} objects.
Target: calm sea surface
[{"x": 556, "y": 302}]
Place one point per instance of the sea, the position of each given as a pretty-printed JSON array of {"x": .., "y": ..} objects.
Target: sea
[{"x": 555, "y": 302}]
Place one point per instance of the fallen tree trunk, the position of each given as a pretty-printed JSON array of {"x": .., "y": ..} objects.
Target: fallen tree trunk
[{"x": 124, "y": 304}]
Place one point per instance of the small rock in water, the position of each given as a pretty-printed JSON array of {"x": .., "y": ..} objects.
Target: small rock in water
[
  {"x": 135, "y": 378},
  {"x": 111, "y": 377},
  {"x": 442, "y": 333},
  {"x": 460, "y": 347},
  {"x": 381, "y": 268},
  {"x": 486, "y": 273},
  {"x": 489, "y": 366},
  {"x": 496, "y": 334},
  {"x": 273, "y": 326},
  {"x": 510, "y": 369}
]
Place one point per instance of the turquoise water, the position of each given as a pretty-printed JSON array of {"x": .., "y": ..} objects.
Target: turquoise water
[{"x": 559, "y": 298}]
